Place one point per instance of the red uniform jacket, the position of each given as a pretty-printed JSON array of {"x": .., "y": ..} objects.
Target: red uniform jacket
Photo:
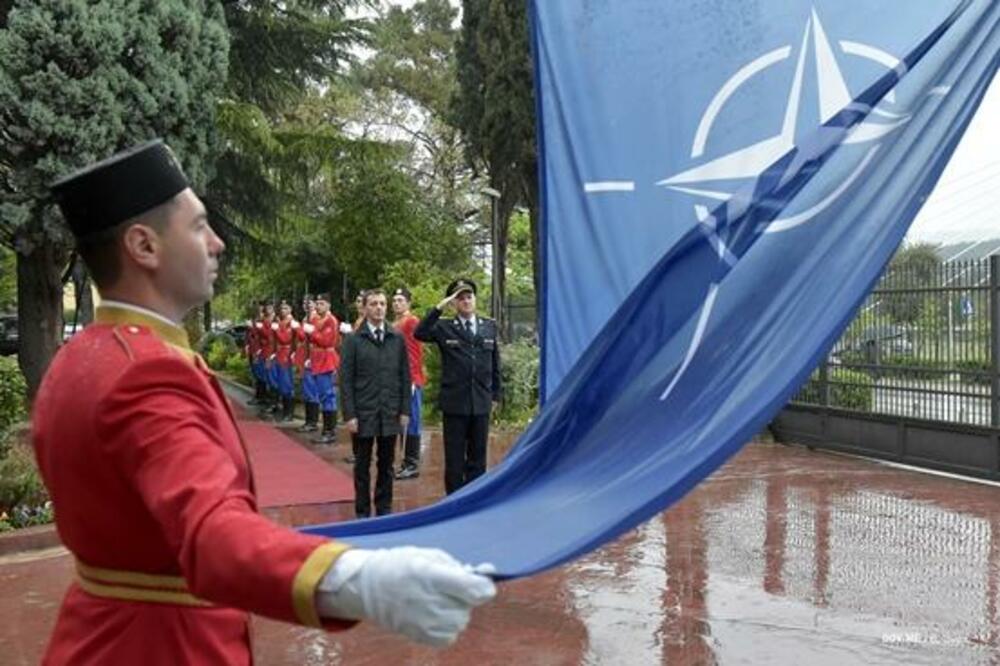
[
  {"x": 324, "y": 341},
  {"x": 267, "y": 343},
  {"x": 154, "y": 497},
  {"x": 260, "y": 340},
  {"x": 283, "y": 341},
  {"x": 253, "y": 341},
  {"x": 414, "y": 350},
  {"x": 302, "y": 342}
]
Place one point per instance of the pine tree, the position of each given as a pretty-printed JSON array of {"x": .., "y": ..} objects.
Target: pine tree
[{"x": 80, "y": 80}]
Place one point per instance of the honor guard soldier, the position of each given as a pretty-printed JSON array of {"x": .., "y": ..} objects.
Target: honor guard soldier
[
  {"x": 470, "y": 380},
  {"x": 324, "y": 359},
  {"x": 269, "y": 350},
  {"x": 285, "y": 331},
  {"x": 406, "y": 323},
  {"x": 254, "y": 355},
  {"x": 304, "y": 364},
  {"x": 153, "y": 492}
]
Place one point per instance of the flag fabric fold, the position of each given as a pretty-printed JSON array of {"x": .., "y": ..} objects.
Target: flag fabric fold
[{"x": 716, "y": 205}]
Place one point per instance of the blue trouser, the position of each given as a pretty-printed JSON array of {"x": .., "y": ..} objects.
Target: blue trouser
[
  {"x": 284, "y": 379},
  {"x": 259, "y": 371},
  {"x": 326, "y": 391},
  {"x": 309, "y": 393},
  {"x": 271, "y": 375},
  {"x": 416, "y": 405}
]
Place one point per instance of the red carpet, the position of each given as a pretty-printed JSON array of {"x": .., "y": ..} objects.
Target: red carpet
[{"x": 287, "y": 474}]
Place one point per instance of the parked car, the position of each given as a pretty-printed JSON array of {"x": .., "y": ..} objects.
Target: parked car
[
  {"x": 238, "y": 332},
  {"x": 8, "y": 334}
]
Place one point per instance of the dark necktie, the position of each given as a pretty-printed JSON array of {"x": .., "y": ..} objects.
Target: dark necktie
[
  {"x": 378, "y": 335},
  {"x": 468, "y": 327}
]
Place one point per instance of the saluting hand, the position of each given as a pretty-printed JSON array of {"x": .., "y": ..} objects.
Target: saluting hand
[{"x": 447, "y": 301}]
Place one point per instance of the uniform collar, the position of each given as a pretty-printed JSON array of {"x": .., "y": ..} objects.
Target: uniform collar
[{"x": 118, "y": 313}]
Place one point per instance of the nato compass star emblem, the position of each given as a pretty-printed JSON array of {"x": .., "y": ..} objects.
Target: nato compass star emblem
[{"x": 707, "y": 178}]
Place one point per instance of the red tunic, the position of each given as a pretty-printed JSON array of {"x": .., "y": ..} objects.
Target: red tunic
[
  {"x": 301, "y": 353},
  {"x": 266, "y": 339},
  {"x": 154, "y": 497},
  {"x": 250, "y": 346},
  {"x": 283, "y": 341},
  {"x": 414, "y": 350},
  {"x": 324, "y": 342}
]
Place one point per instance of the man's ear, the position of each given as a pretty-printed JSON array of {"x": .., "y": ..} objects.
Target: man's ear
[{"x": 142, "y": 246}]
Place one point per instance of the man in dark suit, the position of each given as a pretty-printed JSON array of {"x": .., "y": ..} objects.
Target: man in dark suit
[
  {"x": 375, "y": 377},
  {"x": 470, "y": 380}
]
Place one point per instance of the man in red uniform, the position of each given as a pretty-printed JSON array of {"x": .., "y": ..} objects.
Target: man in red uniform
[
  {"x": 285, "y": 329},
  {"x": 406, "y": 322},
  {"x": 269, "y": 352},
  {"x": 153, "y": 493},
  {"x": 303, "y": 364},
  {"x": 324, "y": 359},
  {"x": 251, "y": 348}
]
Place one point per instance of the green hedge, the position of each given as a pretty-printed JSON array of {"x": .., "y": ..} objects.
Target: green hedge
[
  {"x": 849, "y": 389},
  {"x": 519, "y": 369}
]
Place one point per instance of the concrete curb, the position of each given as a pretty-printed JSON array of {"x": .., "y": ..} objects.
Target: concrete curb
[{"x": 29, "y": 538}]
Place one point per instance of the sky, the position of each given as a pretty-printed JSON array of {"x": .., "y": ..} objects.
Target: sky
[{"x": 965, "y": 205}]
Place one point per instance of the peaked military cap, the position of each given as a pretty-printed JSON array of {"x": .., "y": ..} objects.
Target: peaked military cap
[
  {"x": 323, "y": 296},
  {"x": 404, "y": 292},
  {"x": 460, "y": 285},
  {"x": 119, "y": 188}
]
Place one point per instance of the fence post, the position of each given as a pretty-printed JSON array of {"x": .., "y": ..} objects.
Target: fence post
[
  {"x": 994, "y": 340},
  {"x": 824, "y": 382}
]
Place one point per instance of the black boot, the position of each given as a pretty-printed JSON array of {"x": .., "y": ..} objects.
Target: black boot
[
  {"x": 257, "y": 396},
  {"x": 288, "y": 409},
  {"x": 312, "y": 416},
  {"x": 329, "y": 434},
  {"x": 266, "y": 402}
]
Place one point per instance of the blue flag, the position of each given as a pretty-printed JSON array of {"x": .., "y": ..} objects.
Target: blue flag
[{"x": 722, "y": 184}]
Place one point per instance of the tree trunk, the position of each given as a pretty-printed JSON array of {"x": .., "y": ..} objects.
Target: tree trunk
[
  {"x": 207, "y": 312},
  {"x": 39, "y": 310},
  {"x": 84, "y": 295},
  {"x": 503, "y": 209}
]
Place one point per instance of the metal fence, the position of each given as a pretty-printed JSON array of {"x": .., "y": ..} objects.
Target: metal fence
[{"x": 924, "y": 345}]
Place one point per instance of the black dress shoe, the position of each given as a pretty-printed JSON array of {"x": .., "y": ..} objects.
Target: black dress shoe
[{"x": 407, "y": 473}]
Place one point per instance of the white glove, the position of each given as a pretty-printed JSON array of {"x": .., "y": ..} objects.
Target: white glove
[
  {"x": 295, "y": 325},
  {"x": 260, "y": 324},
  {"x": 308, "y": 328},
  {"x": 345, "y": 327},
  {"x": 274, "y": 326},
  {"x": 308, "y": 364},
  {"x": 422, "y": 593}
]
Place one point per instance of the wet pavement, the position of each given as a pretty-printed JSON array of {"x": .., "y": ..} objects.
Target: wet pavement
[{"x": 783, "y": 556}]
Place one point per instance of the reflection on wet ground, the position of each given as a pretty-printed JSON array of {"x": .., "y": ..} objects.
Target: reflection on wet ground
[{"x": 783, "y": 556}]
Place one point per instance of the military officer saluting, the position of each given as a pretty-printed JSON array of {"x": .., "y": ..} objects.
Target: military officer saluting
[{"x": 470, "y": 380}]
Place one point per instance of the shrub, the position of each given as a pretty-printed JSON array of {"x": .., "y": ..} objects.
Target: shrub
[
  {"x": 13, "y": 395},
  {"x": 519, "y": 370},
  {"x": 237, "y": 368},
  {"x": 218, "y": 352},
  {"x": 849, "y": 389},
  {"x": 20, "y": 485}
]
